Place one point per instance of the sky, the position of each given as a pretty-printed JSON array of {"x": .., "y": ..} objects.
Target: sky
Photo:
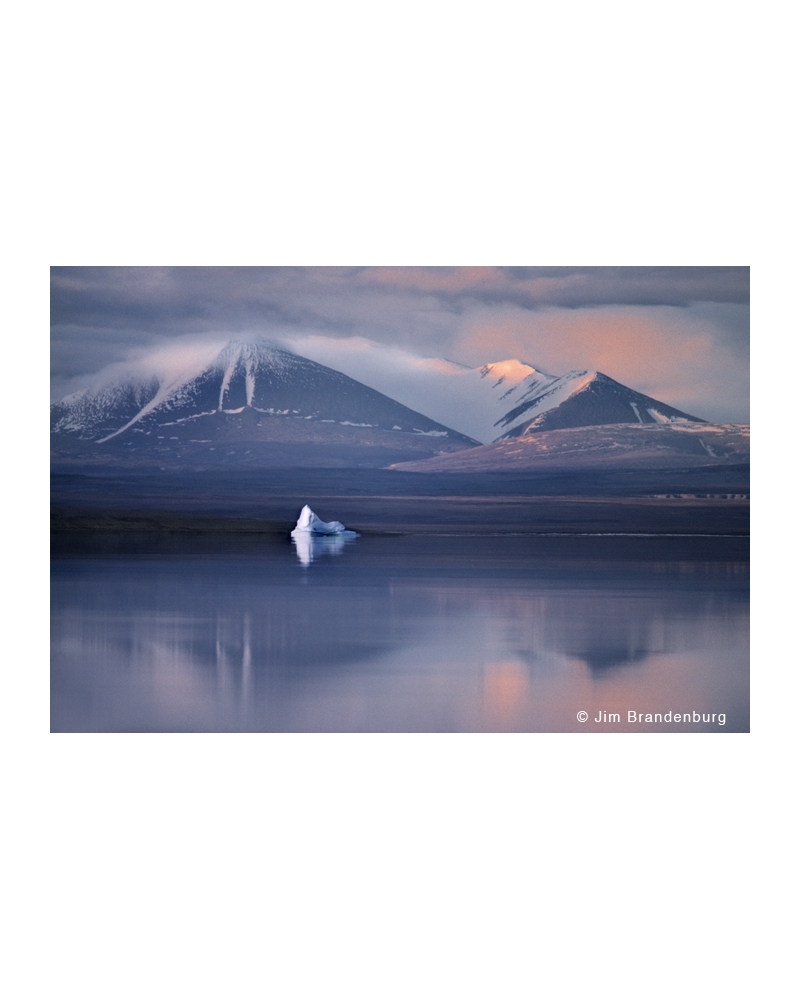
[{"x": 679, "y": 334}]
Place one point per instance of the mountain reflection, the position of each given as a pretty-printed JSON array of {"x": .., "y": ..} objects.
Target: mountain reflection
[
  {"x": 436, "y": 638},
  {"x": 601, "y": 660}
]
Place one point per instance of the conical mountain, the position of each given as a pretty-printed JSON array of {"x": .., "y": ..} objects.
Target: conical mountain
[
  {"x": 584, "y": 399},
  {"x": 254, "y": 402}
]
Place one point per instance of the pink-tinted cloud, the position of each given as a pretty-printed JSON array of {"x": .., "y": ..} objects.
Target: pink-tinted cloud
[{"x": 670, "y": 354}]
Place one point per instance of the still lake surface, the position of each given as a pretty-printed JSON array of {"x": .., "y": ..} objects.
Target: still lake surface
[{"x": 402, "y": 634}]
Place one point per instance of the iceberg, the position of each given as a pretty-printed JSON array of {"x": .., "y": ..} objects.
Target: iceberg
[
  {"x": 313, "y": 537},
  {"x": 309, "y": 522}
]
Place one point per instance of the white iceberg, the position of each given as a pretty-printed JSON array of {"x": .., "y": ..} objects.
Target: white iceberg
[
  {"x": 313, "y": 537},
  {"x": 308, "y": 522}
]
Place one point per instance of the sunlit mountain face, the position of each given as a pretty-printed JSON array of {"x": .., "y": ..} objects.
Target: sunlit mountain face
[{"x": 493, "y": 399}]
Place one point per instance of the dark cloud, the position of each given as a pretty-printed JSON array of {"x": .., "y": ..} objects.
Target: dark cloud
[
  {"x": 179, "y": 298},
  {"x": 574, "y": 287},
  {"x": 636, "y": 286},
  {"x": 569, "y": 315}
]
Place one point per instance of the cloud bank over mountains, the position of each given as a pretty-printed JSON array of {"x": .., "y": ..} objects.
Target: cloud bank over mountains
[{"x": 678, "y": 334}]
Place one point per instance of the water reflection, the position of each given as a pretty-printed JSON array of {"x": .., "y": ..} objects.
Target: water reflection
[
  {"x": 399, "y": 635},
  {"x": 602, "y": 660},
  {"x": 309, "y": 546}
]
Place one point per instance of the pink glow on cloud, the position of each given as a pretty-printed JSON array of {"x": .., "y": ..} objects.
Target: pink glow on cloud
[{"x": 660, "y": 352}]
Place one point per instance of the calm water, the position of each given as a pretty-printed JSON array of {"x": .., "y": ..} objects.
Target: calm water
[{"x": 402, "y": 634}]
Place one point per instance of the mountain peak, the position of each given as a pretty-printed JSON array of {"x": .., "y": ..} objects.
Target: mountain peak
[
  {"x": 245, "y": 398},
  {"x": 254, "y": 347},
  {"x": 584, "y": 399},
  {"x": 512, "y": 370}
]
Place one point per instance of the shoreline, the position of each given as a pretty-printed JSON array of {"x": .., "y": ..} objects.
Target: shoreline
[
  {"x": 109, "y": 531},
  {"x": 572, "y": 517}
]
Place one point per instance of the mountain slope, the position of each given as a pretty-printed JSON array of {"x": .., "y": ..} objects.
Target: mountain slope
[
  {"x": 652, "y": 446},
  {"x": 469, "y": 399},
  {"x": 250, "y": 393},
  {"x": 585, "y": 399},
  {"x": 495, "y": 399}
]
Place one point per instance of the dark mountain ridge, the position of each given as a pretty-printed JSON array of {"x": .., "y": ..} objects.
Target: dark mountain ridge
[{"x": 591, "y": 399}]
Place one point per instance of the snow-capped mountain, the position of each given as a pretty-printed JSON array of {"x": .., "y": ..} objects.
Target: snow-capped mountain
[
  {"x": 493, "y": 400},
  {"x": 584, "y": 399},
  {"x": 247, "y": 393}
]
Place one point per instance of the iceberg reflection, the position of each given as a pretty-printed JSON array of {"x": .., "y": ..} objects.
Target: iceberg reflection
[{"x": 310, "y": 546}]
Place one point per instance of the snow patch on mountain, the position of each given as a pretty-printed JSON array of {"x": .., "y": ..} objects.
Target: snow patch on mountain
[{"x": 540, "y": 396}]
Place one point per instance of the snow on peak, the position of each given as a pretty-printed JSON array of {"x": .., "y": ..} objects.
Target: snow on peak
[
  {"x": 253, "y": 351},
  {"x": 512, "y": 371},
  {"x": 164, "y": 375},
  {"x": 539, "y": 395}
]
